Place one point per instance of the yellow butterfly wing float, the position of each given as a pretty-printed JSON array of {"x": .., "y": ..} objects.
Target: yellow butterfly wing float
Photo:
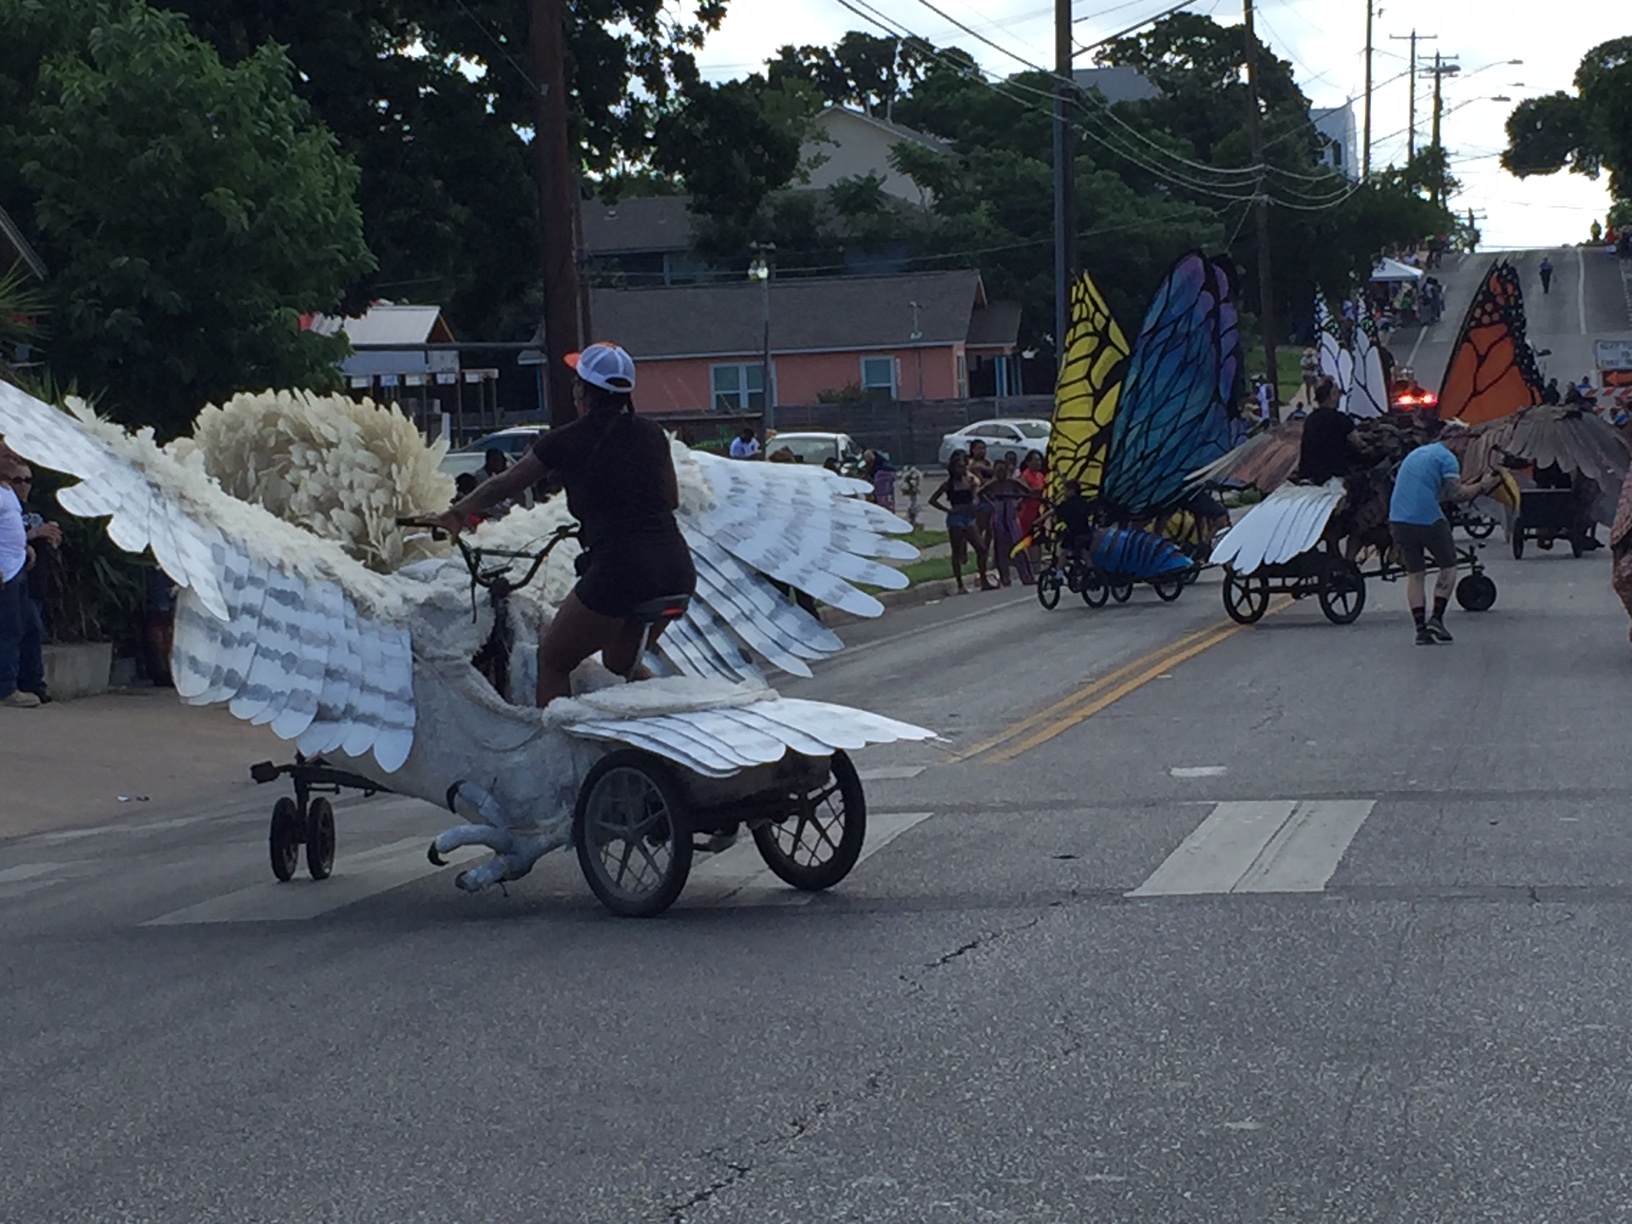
[{"x": 1096, "y": 357}]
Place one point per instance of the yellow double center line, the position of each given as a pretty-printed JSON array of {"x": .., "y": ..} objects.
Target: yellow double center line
[{"x": 1094, "y": 696}]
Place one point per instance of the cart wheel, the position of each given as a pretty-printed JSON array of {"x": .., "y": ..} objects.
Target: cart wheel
[
  {"x": 1121, "y": 591},
  {"x": 1518, "y": 543},
  {"x": 633, "y": 834},
  {"x": 1094, "y": 590},
  {"x": 819, "y": 841},
  {"x": 320, "y": 839},
  {"x": 1480, "y": 529},
  {"x": 1476, "y": 593},
  {"x": 1246, "y": 599},
  {"x": 1168, "y": 591},
  {"x": 1048, "y": 587},
  {"x": 285, "y": 839},
  {"x": 1343, "y": 594}
]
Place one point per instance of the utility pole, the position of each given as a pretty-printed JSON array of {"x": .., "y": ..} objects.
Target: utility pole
[
  {"x": 1442, "y": 68},
  {"x": 1411, "y": 72},
  {"x": 1065, "y": 221},
  {"x": 557, "y": 205},
  {"x": 1255, "y": 132},
  {"x": 1365, "y": 140}
]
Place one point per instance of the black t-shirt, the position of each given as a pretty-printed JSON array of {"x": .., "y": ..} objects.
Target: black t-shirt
[
  {"x": 1076, "y": 515},
  {"x": 616, "y": 470},
  {"x": 1325, "y": 451}
]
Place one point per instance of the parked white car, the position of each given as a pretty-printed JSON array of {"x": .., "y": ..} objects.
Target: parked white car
[
  {"x": 1001, "y": 436},
  {"x": 818, "y": 448},
  {"x": 513, "y": 441}
]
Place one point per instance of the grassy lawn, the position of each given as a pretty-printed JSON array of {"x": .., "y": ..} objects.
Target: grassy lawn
[
  {"x": 935, "y": 569},
  {"x": 922, "y": 537}
]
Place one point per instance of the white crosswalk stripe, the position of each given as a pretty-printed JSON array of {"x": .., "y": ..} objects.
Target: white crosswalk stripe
[{"x": 1261, "y": 846}]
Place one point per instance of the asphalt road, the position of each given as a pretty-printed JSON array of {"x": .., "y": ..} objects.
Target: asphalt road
[
  {"x": 1588, "y": 299},
  {"x": 1181, "y": 922}
]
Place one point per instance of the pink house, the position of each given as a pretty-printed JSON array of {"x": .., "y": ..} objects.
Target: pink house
[{"x": 909, "y": 337}]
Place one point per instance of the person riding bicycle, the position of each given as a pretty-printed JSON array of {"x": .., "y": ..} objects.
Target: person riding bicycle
[
  {"x": 1075, "y": 515},
  {"x": 621, "y": 487}
]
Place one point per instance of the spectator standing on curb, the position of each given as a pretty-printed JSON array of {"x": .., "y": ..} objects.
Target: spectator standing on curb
[
  {"x": 1309, "y": 363},
  {"x": 745, "y": 445},
  {"x": 1007, "y": 494},
  {"x": 21, "y": 665},
  {"x": 1546, "y": 275},
  {"x": 44, "y": 540},
  {"x": 956, "y": 499}
]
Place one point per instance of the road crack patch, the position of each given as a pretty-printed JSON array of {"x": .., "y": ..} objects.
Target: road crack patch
[{"x": 981, "y": 941}]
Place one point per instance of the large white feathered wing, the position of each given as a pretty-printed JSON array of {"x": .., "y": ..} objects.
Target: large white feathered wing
[
  {"x": 282, "y": 627},
  {"x": 753, "y": 525},
  {"x": 1289, "y": 521}
]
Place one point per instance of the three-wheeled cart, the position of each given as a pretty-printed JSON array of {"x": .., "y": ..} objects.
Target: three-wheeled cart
[
  {"x": 1546, "y": 515},
  {"x": 1335, "y": 582},
  {"x": 637, "y": 823}
]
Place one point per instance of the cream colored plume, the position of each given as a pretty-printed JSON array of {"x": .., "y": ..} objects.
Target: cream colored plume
[{"x": 342, "y": 469}]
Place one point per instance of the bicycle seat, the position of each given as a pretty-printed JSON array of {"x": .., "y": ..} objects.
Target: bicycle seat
[{"x": 663, "y": 608}]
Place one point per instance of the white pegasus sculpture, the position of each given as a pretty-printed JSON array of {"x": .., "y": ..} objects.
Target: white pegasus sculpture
[{"x": 301, "y": 608}]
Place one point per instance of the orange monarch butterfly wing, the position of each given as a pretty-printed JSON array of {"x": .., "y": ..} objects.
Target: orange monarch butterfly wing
[{"x": 1492, "y": 371}]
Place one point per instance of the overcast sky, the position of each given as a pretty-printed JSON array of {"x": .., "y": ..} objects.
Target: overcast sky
[{"x": 1324, "y": 40}]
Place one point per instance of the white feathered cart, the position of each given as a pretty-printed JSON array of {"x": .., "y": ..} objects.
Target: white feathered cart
[{"x": 302, "y": 607}]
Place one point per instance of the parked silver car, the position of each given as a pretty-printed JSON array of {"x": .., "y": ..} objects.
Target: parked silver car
[{"x": 1001, "y": 436}]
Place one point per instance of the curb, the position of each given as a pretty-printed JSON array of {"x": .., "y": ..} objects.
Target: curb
[{"x": 914, "y": 596}]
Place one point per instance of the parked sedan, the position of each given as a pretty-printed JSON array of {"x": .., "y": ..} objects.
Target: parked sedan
[
  {"x": 470, "y": 457},
  {"x": 1001, "y": 436},
  {"x": 818, "y": 448}
]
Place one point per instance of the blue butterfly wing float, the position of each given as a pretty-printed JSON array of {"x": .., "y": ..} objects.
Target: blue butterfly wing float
[
  {"x": 1137, "y": 554},
  {"x": 1176, "y": 408}
]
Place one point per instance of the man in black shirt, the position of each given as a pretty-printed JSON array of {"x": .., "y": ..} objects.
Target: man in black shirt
[{"x": 1325, "y": 451}]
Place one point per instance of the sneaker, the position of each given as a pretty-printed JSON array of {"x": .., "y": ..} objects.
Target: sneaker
[
  {"x": 1425, "y": 636},
  {"x": 43, "y": 694},
  {"x": 1436, "y": 627},
  {"x": 19, "y": 700}
]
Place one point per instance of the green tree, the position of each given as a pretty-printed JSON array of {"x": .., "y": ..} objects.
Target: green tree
[
  {"x": 189, "y": 211},
  {"x": 436, "y": 102},
  {"x": 1588, "y": 132}
]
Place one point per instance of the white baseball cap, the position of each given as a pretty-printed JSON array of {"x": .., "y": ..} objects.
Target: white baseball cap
[{"x": 605, "y": 365}]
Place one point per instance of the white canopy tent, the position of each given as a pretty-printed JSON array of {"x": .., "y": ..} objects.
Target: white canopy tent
[{"x": 1393, "y": 270}]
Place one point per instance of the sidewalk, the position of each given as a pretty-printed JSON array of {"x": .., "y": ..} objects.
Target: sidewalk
[{"x": 65, "y": 765}]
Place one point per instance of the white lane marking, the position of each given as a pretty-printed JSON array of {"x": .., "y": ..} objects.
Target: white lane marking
[
  {"x": 1268, "y": 846},
  {"x": 1581, "y": 287},
  {"x": 738, "y": 876},
  {"x": 356, "y": 876},
  {"x": 891, "y": 773},
  {"x": 1199, "y": 771},
  {"x": 27, "y": 871},
  {"x": 1306, "y": 850}
]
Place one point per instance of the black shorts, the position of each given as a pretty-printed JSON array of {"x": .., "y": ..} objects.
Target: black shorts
[
  {"x": 622, "y": 574},
  {"x": 1415, "y": 539}
]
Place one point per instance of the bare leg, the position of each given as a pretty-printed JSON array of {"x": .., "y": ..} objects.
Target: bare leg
[
  {"x": 569, "y": 639},
  {"x": 1414, "y": 594},
  {"x": 959, "y": 539}
]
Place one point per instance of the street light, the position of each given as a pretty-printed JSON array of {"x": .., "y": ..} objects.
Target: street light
[{"x": 760, "y": 270}]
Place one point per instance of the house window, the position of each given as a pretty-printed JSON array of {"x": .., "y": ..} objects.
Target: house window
[
  {"x": 963, "y": 376},
  {"x": 738, "y": 387},
  {"x": 878, "y": 377}
]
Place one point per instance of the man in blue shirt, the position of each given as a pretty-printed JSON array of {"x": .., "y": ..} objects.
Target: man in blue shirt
[{"x": 1427, "y": 476}]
